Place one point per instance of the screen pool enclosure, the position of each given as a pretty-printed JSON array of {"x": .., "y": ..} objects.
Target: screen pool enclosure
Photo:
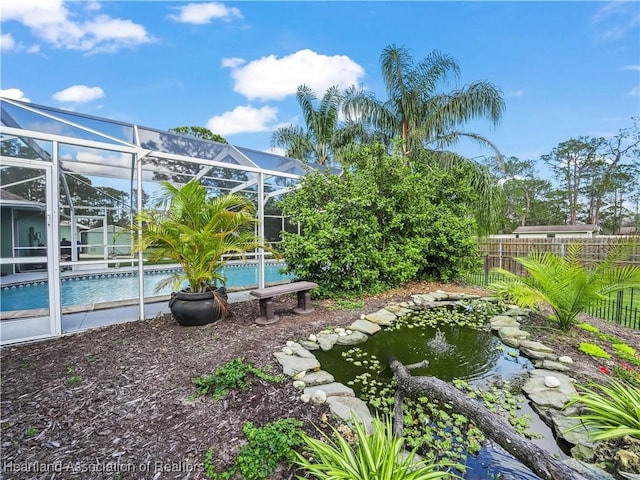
[{"x": 71, "y": 184}]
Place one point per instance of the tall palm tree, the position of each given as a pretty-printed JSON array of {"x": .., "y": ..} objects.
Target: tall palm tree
[
  {"x": 323, "y": 135},
  {"x": 428, "y": 119},
  {"x": 416, "y": 110}
]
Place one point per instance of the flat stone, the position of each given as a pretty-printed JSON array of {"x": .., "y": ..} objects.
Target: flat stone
[
  {"x": 365, "y": 326},
  {"x": 327, "y": 340},
  {"x": 515, "y": 311},
  {"x": 513, "y": 332},
  {"x": 333, "y": 389},
  {"x": 543, "y": 396},
  {"x": 500, "y": 321},
  {"x": 588, "y": 470},
  {"x": 348, "y": 408},
  {"x": 490, "y": 299},
  {"x": 293, "y": 364},
  {"x": 398, "y": 310},
  {"x": 537, "y": 346},
  {"x": 317, "y": 378},
  {"x": 571, "y": 429},
  {"x": 552, "y": 365},
  {"x": 565, "y": 359},
  {"x": 309, "y": 345},
  {"x": 535, "y": 354},
  {"x": 354, "y": 338},
  {"x": 299, "y": 350},
  {"x": 381, "y": 317}
]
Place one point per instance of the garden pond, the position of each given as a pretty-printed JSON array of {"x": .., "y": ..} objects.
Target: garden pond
[{"x": 461, "y": 350}]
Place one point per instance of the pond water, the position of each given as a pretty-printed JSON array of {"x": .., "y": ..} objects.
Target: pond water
[{"x": 476, "y": 356}]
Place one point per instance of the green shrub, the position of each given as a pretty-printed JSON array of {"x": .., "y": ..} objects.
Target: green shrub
[
  {"x": 266, "y": 447},
  {"x": 380, "y": 224},
  {"x": 377, "y": 455},
  {"x": 613, "y": 410},
  {"x": 593, "y": 350}
]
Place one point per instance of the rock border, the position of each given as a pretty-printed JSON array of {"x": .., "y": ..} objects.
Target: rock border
[{"x": 548, "y": 388}]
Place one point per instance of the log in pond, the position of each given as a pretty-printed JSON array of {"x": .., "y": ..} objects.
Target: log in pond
[{"x": 541, "y": 462}]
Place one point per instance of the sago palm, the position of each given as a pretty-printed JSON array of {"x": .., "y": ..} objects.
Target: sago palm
[
  {"x": 566, "y": 284},
  {"x": 196, "y": 231}
]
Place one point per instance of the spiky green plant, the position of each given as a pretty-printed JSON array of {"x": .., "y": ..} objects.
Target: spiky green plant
[
  {"x": 377, "y": 455},
  {"x": 612, "y": 411},
  {"x": 565, "y": 283},
  {"x": 196, "y": 231}
]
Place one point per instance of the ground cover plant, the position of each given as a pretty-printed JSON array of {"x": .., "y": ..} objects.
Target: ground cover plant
[{"x": 134, "y": 407}]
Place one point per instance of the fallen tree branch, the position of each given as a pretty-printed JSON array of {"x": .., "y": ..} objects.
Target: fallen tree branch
[{"x": 541, "y": 462}]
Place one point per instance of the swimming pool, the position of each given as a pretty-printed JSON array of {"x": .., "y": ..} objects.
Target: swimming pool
[{"x": 118, "y": 286}]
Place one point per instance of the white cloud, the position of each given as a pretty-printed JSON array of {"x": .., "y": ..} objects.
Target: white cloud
[
  {"x": 80, "y": 27},
  {"x": 14, "y": 93},
  {"x": 243, "y": 120},
  {"x": 272, "y": 78},
  {"x": 515, "y": 93},
  {"x": 634, "y": 92},
  {"x": 616, "y": 19},
  {"x": 78, "y": 94},
  {"x": 7, "y": 42},
  {"x": 232, "y": 62},
  {"x": 633, "y": 68},
  {"x": 203, "y": 13}
]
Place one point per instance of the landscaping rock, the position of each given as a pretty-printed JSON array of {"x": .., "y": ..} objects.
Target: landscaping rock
[
  {"x": 551, "y": 381},
  {"x": 587, "y": 470},
  {"x": 571, "y": 429},
  {"x": 299, "y": 350},
  {"x": 500, "y": 321},
  {"x": 382, "y": 317},
  {"x": 551, "y": 365},
  {"x": 309, "y": 345},
  {"x": 317, "y": 378},
  {"x": 397, "y": 310},
  {"x": 565, "y": 359},
  {"x": 294, "y": 364},
  {"x": 535, "y": 346},
  {"x": 333, "y": 389},
  {"x": 348, "y": 408},
  {"x": 515, "y": 311},
  {"x": 318, "y": 397},
  {"x": 544, "y": 396},
  {"x": 365, "y": 326},
  {"x": 327, "y": 340},
  {"x": 354, "y": 338}
]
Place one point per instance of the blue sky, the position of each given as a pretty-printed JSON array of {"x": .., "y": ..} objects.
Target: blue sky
[{"x": 566, "y": 69}]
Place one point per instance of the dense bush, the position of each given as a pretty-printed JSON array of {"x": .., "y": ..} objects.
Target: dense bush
[{"x": 381, "y": 223}]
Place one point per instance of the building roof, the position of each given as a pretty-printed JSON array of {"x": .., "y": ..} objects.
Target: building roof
[
  {"x": 9, "y": 199},
  {"x": 557, "y": 229}
]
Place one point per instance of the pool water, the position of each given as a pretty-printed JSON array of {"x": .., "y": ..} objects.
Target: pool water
[{"x": 100, "y": 288}]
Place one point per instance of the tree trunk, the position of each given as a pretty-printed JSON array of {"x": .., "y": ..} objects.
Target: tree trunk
[{"x": 541, "y": 462}]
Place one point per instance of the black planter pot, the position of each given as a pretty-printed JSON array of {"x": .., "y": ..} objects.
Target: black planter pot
[{"x": 193, "y": 309}]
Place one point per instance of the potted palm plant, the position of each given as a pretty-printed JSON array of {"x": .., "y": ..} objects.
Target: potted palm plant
[{"x": 196, "y": 231}]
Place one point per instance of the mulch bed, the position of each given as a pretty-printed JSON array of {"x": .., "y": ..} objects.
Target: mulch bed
[{"x": 118, "y": 402}]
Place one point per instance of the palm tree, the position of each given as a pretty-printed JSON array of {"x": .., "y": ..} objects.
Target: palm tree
[
  {"x": 426, "y": 119},
  {"x": 317, "y": 143},
  {"x": 565, "y": 284},
  {"x": 416, "y": 111}
]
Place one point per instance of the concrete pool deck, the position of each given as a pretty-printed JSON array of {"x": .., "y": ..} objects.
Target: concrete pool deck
[{"x": 83, "y": 320}]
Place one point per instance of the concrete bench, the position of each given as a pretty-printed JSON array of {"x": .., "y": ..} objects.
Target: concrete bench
[{"x": 266, "y": 295}]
